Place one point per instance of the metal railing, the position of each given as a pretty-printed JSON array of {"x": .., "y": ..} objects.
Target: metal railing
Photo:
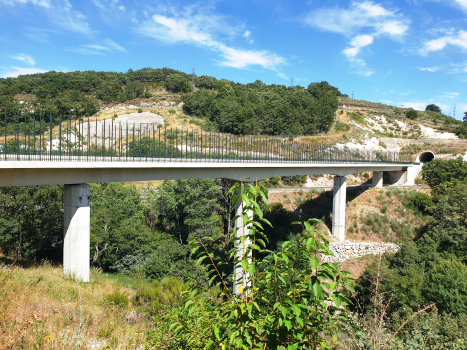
[{"x": 35, "y": 138}]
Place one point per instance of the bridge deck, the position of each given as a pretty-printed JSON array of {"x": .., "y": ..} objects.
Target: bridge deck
[{"x": 36, "y": 172}]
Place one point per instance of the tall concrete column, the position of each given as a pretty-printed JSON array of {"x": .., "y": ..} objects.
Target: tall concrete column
[
  {"x": 76, "y": 240},
  {"x": 242, "y": 231},
  {"x": 377, "y": 180},
  {"x": 339, "y": 195}
]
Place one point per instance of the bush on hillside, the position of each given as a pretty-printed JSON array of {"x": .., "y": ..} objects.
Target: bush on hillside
[
  {"x": 177, "y": 83},
  {"x": 418, "y": 201},
  {"x": 411, "y": 114}
]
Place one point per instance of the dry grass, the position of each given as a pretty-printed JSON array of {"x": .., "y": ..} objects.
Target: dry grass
[{"x": 40, "y": 308}]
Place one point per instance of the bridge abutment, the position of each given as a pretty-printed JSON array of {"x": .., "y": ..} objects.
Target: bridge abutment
[
  {"x": 77, "y": 227},
  {"x": 239, "y": 278},
  {"x": 339, "y": 197},
  {"x": 377, "y": 180}
]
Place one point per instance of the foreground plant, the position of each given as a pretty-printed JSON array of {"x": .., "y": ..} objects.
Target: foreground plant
[{"x": 287, "y": 299}]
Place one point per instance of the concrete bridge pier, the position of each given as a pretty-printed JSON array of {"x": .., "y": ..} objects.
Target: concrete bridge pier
[
  {"x": 242, "y": 231},
  {"x": 77, "y": 228},
  {"x": 377, "y": 180},
  {"x": 339, "y": 196}
]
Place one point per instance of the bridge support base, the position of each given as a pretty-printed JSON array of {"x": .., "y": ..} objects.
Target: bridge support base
[
  {"x": 76, "y": 240},
  {"x": 239, "y": 279},
  {"x": 377, "y": 180},
  {"x": 339, "y": 197}
]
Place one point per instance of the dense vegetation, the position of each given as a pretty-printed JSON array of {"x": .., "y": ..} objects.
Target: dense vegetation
[
  {"x": 257, "y": 108},
  {"x": 254, "y": 108},
  {"x": 157, "y": 238},
  {"x": 431, "y": 268},
  {"x": 75, "y": 93}
]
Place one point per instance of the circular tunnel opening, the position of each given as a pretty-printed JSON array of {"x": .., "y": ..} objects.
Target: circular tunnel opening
[{"x": 425, "y": 157}]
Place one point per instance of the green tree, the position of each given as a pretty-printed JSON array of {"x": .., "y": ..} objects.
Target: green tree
[
  {"x": 190, "y": 208},
  {"x": 433, "y": 107},
  {"x": 177, "y": 83},
  {"x": 411, "y": 114},
  {"x": 31, "y": 222},
  {"x": 446, "y": 285},
  {"x": 439, "y": 171},
  {"x": 118, "y": 224}
]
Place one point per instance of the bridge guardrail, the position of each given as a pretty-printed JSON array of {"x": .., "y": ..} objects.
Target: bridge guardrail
[{"x": 42, "y": 138}]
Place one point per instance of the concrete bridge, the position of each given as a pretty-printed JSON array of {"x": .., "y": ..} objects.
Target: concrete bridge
[
  {"x": 76, "y": 173},
  {"x": 77, "y": 152}
]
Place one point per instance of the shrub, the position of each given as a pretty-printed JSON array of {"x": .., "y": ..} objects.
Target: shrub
[
  {"x": 384, "y": 209},
  {"x": 301, "y": 192},
  {"x": 418, "y": 201},
  {"x": 172, "y": 111},
  {"x": 340, "y": 126},
  {"x": 446, "y": 284},
  {"x": 118, "y": 299},
  {"x": 140, "y": 110},
  {"x": 299, "y": 201},
  {"x": 411, "y": 114},
  {"x": 366, "y": 176}
]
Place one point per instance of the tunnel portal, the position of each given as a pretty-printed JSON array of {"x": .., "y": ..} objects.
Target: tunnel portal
[{"x": 425, "y": 157}]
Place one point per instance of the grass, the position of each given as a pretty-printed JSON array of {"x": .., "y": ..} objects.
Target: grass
[{"x": 40, "y": 308}]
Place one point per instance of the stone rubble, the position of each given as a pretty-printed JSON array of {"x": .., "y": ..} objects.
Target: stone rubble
[
  {"x": 157, "y": 104},
  {"x": 349, "y": 250}
]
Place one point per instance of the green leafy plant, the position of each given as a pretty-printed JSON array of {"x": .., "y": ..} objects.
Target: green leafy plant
[{"x": 286, "y": 300}]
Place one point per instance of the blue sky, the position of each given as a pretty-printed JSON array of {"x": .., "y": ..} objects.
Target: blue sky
[{"x": 408, "y": 53}]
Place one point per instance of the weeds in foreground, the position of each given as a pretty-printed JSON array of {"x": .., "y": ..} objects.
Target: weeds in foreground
[{"x": 40, "y": 308}]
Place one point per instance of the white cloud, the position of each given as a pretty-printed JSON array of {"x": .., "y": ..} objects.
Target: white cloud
[
  {"x": 22, "y": 71},
  {"x": 113, "y": 46},
  {"x": 250, "y": 42},
  {"x": 429, "y": 69},
  {"x": 359, "y": 15},
  {"x": 244, "y": 58},
  {"x": 282, "y": 75},
  {"x": 122, "y": 8},
  {"x": 192, "y": 26},
  {"x": 42, "y": 3},
  {"x": 451, "y": 95},
  {"x": 459, "y": 40},
  {"x": 59, "y": 12},
  {"x": 25, "y": 58},
  {"x": 393, "y": 28},
  {"x": 108, "y": 45},
  {"x": 386, "y": 101},
  {"x": 462, "y": 3},
  {"x": 357, "y": 43},
  {"x": 420, "y": 106}
]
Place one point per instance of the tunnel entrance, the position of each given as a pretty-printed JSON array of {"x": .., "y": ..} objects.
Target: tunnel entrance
[{"x": 425, "y": 157}]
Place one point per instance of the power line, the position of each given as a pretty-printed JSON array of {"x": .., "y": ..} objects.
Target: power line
[
  {"x": 291, "y": 81},
  {"x": 352, "y": 95},
  {"x": 454, "y": 112}
]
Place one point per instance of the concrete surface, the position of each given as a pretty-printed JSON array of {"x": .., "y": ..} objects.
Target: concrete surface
[
  {"x": 76, "y": 235},
  {"x": 339, "y": 197}
]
